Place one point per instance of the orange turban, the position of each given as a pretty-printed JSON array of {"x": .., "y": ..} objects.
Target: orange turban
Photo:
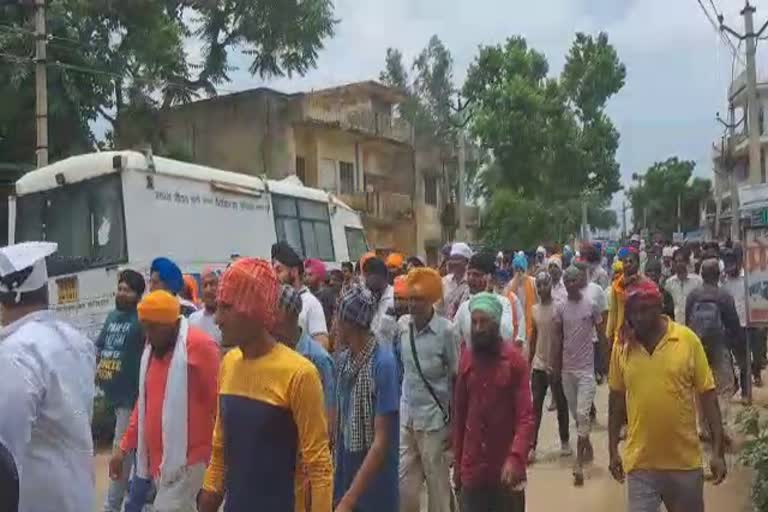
[
  {"x": 426, "y": 283},
  {"x": 250, "y": 287},
  {"x": 159, "y": 307},
  {"x": 190, "y": 283},
  {"x": 395, "y": 260},
  {"x": 401, "y": 287}
]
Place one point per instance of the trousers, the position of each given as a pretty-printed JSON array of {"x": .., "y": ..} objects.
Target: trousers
[
  {"x": 424, "y": 458},
  {"x": 540, "y": 381},
  {"x": 492, "y": 499},
  {"x": 118, "y": 488},
  {"x": 680, "y": 491}
]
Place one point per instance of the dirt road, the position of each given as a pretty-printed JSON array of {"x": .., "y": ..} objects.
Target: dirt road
[{"x": 550, "y": 487}]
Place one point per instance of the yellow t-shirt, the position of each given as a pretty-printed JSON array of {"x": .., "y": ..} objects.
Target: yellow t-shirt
[{"x": 660, "y": 389}]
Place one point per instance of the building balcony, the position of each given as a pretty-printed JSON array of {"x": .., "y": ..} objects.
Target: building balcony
[
  {"x": 358, "y": 119},
  {"x": 380, "y": 207}
]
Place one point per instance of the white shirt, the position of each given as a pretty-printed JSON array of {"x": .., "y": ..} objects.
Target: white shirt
[
  {"x": 463, "y": 322},
  {"x": 383, "y": 327},
  {"x": 599, "y": 302},
  {"x": 46, "y": 399},
  {"x": 206, "y": 321},
  {"x": 312, "y": 317},
  {"x": 679, "y": 290}
]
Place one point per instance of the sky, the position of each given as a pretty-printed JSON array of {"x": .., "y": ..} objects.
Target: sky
[{"x": 678, "y": 69}]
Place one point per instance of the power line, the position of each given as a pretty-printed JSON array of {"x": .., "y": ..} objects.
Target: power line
[{"x": 716, "y": 26}]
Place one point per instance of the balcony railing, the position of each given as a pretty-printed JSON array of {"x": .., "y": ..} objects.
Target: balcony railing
[
  {"x": 361, "y": 120},
  {"x": 380, "y": 206}
]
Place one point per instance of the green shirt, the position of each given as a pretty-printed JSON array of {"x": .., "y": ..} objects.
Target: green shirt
[{"x": 119, "y": 347}]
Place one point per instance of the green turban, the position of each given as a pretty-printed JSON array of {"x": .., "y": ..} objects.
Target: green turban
[{"x": 488, "y": 303}]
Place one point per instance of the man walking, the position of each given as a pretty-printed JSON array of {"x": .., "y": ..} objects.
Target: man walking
[
  {"x": 171, "y": 424},
  {"x": 576, "y": 320},
  {"x": 627, "y": 278},
  {"x": 47, "y": 393},
  {"x": 290, "y": 270},
  {"x": 493, "y": 422},
  {"x": 118, "y": 352},
  {"x": 711, "y": 313},
  {"x": 543, "y": 339},
  {"x": 205, "y": 318},
  {"x": 164, "y": 274},
  {"x": 682, "y": 283},
  {"x": 429, "y": 351},
  {"x": 271, "y": 410},
  {"x": 455, "y": 287},
  {"x": 478, "y": 275},
  {"x": 376, "y": 276},
  {"x": 368, "y": 398},
  {"x": 653, "y": 375}
]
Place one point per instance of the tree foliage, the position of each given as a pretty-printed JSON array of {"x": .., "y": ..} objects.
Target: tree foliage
[
  {"x": 654, "y": 198},
  {"x": 109, "y": 57},
  {"x": 550, "y": 137}
]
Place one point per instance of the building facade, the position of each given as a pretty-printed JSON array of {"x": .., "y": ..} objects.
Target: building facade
[
  {"x": 348, "y": 140},
  {"x": 730, "y": 157}
]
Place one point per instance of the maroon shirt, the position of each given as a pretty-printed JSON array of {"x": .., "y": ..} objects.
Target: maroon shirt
[{"x": 493, "y": 421}]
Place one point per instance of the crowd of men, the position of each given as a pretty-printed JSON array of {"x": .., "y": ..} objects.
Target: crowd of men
[{"x": 284, "y": 386}]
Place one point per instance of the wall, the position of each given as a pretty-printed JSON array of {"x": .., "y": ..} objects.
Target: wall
[{"x": 249, "y": 132}]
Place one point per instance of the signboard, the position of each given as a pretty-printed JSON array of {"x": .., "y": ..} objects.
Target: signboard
[
  {"x": 678, "y": 237},
  {"x": 756, "y": 275}
]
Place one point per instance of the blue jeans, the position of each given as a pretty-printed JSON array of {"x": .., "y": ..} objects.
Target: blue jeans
[{"x": 118, "y": 488}]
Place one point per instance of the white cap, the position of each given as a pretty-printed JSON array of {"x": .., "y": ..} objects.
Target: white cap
[
  {"x": 635, "y": 238},
  {"x": 23, "y": 256},
  {"x": 541, "y": 250},
  {"x": 461, "y": 249},
  {"x": 500, "y": 256},
  {"x": 668, "y": 252}
]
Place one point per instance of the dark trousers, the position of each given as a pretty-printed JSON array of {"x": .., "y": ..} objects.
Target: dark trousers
[
  {"x": 757, "y": 350},
  {"x": 492, "y": 499},
  {"x": 540, "y": 381}
]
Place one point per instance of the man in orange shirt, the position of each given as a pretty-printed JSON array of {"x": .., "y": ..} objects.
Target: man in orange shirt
[{"x": 172, "y": 422}]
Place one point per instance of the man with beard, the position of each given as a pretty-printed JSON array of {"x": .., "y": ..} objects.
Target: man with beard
[
  {"x": 455, "y": 287},
  {"x": 376, "y": 278},
  {"x": 479, "y": 272},
  {"x": 205, "y": 318},
  {"x": 654, "y": 373},
  {"x": 118, "y": 352},
  {"x": 493, "y": 419},
  {"x": 290, "y": 270}
]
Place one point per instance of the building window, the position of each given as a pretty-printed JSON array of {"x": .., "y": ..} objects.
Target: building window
[
  {"x": 301, "y": 169},
  {"x": 430, "y": 190},
  {"x": 305, "y": 225},
  {"x": 346, "y": 178}
]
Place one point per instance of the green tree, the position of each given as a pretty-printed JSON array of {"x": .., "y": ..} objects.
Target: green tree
[
  {"x": 550, "y": 138},
  {"x": 110, "y": 58},
  {"x": 654, "y": 198}
]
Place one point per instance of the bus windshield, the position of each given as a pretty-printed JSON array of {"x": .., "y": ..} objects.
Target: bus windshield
[{"x": 86, "y": 219}]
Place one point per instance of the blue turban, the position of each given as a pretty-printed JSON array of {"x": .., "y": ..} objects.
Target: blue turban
[
  {"x": 169, "y": 274},
  {"x": 623, "y": 253},
  {"x": 520, "y": 262}
]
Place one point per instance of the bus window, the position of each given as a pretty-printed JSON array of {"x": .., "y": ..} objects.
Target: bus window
[
  {"x": 356, "y": 244},
  {"x": 85, "y": 219},
  {"x": 305, "y": 225}
]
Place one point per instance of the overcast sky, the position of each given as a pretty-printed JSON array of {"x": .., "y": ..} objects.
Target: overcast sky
[{"x": 677, "y": 68}]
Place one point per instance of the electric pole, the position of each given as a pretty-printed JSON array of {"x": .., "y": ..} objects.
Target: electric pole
[
  {"x": 623, "y": 219},
  {"x": 41, "y": 84},
  {"x": 732, "y": 174},
  {"x": 750, "y": 37},
  {"x": 462, "y": 231}
]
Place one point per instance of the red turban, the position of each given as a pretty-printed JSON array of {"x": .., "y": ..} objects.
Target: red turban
[
  {"x": 645, "y": 291},
  {"x": 250, "y": 287}
]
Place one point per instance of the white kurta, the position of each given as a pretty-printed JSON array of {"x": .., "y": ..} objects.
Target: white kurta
[
  {"x": 46, "y": 401},
  {"x": 463, "y": 322}
]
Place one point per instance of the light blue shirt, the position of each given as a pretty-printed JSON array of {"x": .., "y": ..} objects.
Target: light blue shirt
[
  {"x": 46, "y": 401},
  {"x": 314, "y": 351},
  {"x": 437, "y": 348}
]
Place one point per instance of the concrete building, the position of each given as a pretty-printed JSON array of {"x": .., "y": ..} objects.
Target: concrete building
[
  {"x": 348, "y": 140},
  {"x": 731, "y": 166}
]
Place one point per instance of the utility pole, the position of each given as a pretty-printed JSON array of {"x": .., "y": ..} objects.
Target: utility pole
[
  {"x": 462, "y": 231},
  {"x": 41, "y": 84},
  {"x": 623, "y": 219},
  {"x": 584, "y": 220},
  {"x": 753, "y": 109},
  {"x": 679, "y": 212}
]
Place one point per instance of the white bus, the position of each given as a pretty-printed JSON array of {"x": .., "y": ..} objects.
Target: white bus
[{"x": 114, "y": 210}]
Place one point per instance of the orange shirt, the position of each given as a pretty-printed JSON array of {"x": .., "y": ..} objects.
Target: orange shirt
[{"x": 202, "y": 383}]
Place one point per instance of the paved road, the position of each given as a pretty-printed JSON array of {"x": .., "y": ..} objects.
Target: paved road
[{"x": 550, "y": 486}]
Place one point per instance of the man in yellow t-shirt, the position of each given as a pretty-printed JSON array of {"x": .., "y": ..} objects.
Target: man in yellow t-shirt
[{"x": 653, "y": 377}]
